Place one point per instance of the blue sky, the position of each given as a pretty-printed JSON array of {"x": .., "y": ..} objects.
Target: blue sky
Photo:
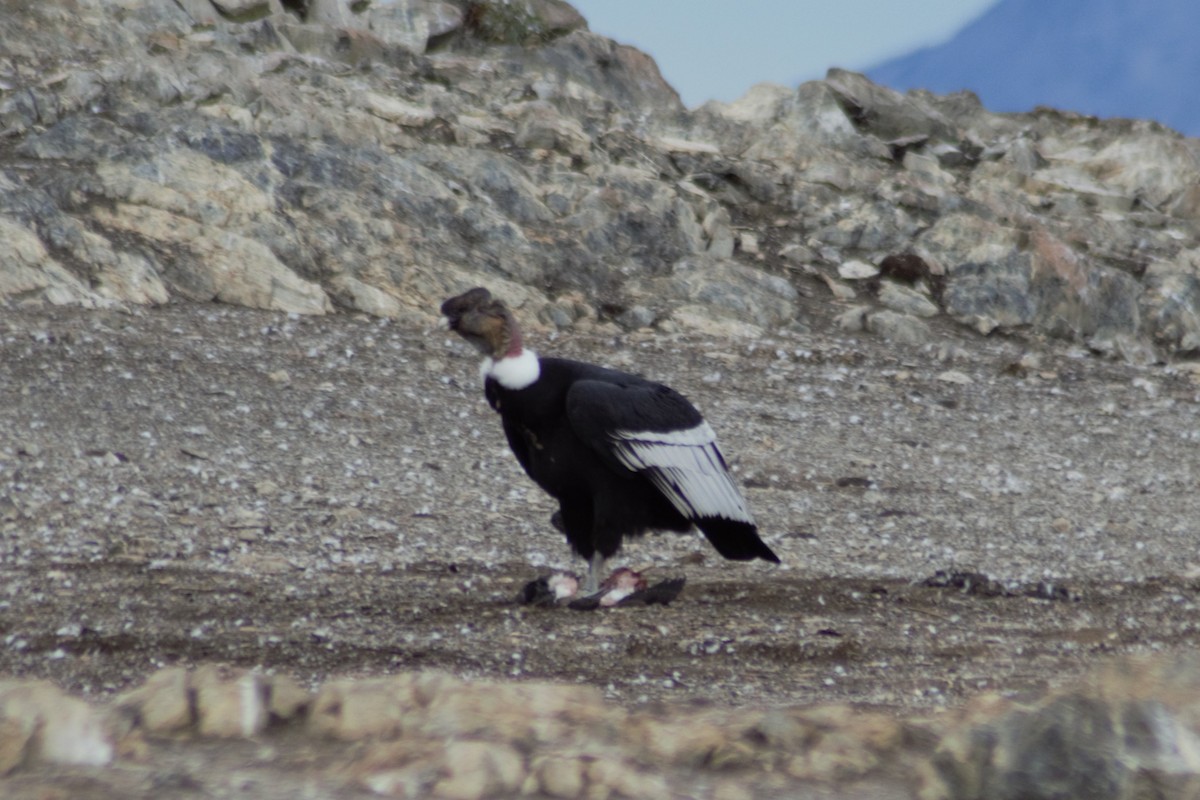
[{"x": 717, "y": 49}]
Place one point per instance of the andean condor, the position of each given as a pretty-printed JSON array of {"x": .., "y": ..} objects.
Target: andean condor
[{"x": 621, "y": 454}]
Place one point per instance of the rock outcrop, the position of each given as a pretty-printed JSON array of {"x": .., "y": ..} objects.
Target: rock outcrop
[
  {"x": 1128, "y": 730},
  {"x": 379, "y": 156}
]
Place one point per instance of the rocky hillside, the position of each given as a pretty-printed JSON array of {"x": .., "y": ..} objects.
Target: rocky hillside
[{"x": 373, "y": 156}]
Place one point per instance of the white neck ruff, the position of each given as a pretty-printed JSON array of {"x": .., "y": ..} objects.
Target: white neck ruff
[{"x": 512, "y": 372}]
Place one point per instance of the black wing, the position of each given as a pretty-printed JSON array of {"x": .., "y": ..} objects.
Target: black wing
[{"x": 651, "y": 429}]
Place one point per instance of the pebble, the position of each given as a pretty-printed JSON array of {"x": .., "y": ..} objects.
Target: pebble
[
  {"x": 27, "y": 448},
  {"x": 839, "y": 290},
  {"x": 955, "y": 376},
  {"x": 857, "y": 270},
  {"x": 636, "y": 317}
]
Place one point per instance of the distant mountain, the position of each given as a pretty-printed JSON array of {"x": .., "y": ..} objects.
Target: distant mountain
[{"x": 1110, "y": 58}]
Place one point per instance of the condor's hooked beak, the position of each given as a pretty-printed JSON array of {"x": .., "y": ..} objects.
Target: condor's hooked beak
[
  {"x": 483, "y": 321},
  {"x": 450, "y": 320},
  {"x": 455, "y": 308}
]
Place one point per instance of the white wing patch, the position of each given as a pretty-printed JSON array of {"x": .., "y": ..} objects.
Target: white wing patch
[{"x": 687, "y": 468}]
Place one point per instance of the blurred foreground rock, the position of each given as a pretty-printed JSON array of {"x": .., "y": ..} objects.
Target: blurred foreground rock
[
  {"x": 39, "y": 723},
  {"x": 1131, "y": 729},
  {"x": 379, "y": 156}
]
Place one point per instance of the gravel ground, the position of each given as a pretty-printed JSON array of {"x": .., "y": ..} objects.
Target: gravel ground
[{"x": 332, "y": 496}]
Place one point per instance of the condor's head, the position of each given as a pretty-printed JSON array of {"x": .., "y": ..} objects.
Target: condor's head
[{"x": 485, "y": 322}]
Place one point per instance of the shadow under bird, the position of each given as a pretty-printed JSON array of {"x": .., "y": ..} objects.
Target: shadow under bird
[{"x": 621, "y": 454}]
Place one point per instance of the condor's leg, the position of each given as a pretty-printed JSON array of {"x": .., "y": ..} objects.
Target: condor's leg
[
  {"x": 615, "y": 517},
  {"x": 595, "y": 570},
  {"x": 575, "y": 518}
]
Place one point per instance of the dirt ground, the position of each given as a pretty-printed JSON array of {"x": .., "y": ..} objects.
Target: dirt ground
[{"x": 332, "y": 496}]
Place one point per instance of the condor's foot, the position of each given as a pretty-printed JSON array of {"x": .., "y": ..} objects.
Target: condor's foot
[{"x": 624, "y": 587}]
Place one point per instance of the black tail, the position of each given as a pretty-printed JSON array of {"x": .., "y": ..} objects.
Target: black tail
[{"x": 737, "y": 541}]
